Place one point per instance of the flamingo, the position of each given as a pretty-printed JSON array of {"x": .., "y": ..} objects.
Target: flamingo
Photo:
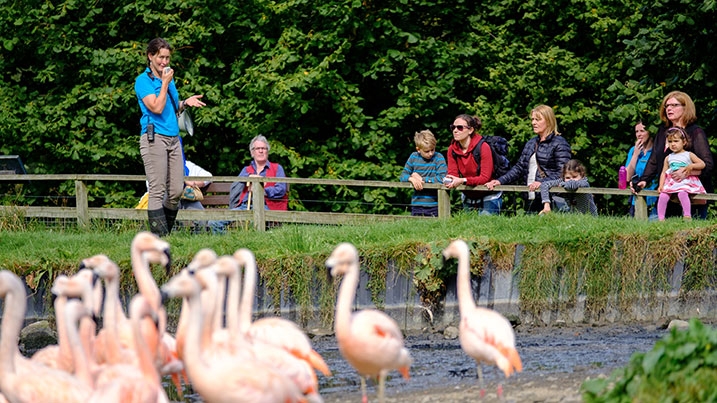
[
  {"x": 147, "y": 248},
  {"x": 202, "y": 259},
  {"x": 57, "y": 356},
  {"x": 271, "y": 330},
  {"x": 369, "y": 339},
  {"x": 221, "y": 342},
  {"x": 116, "y": 383},
  {"x": 81, "y": 285},
  {"x": 46, "y": 384},
  {"x": 485, "y": 335},
  {"x": 224, "y": 379}
]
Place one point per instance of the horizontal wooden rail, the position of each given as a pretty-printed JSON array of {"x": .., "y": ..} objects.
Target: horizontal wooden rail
[{"x": 83, "y": 213}]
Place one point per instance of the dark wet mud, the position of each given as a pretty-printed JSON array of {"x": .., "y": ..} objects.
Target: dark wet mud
[{"x": 556, "y": 361}]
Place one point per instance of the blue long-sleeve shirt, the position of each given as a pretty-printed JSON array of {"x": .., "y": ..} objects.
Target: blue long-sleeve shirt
[{"x": 432, "y": 171}]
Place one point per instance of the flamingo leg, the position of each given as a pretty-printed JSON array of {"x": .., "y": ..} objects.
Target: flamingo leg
[
  {"x": 480, "y": 380},
  {"x": 364, "y": 397},
  {"x": 381, "y": 385}
]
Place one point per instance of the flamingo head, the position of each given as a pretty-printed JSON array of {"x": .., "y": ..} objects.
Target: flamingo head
[
  {"x": 101, "y": 265},
  {"x": 181, "y": 285},
  {"x": 456, "y": 249},
  {"x": 342, "y": 259},
  {"x": 9, "y": 281},
  {"x": 226, "y": 266},
  {"x": 152, "y": 248},
  {"x": 202, "y": 260},
  {"x": 244, "y": 257}
]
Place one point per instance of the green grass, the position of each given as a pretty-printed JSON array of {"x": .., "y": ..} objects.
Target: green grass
[{"x": 592, "y": 256}]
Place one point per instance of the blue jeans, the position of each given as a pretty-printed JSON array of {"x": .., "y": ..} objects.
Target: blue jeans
[
  {"x": 488, "y": 205},
  {"x": 220, "y": 227}
]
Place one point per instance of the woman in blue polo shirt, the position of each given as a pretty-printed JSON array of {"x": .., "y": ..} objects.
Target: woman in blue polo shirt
[
  {"x": 636, "y": 160},
  {"x": 159, "y": 142}
]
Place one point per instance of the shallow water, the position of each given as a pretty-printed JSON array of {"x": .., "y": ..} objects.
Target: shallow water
[{"x": 555, "y": 362}]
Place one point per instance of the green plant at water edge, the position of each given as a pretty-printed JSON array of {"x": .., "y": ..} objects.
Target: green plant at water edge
[
  {"x": 431, "y": 271},
  {"x": 682, "y": 367}
]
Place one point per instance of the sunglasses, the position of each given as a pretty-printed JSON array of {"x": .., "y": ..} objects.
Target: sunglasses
[{"x": 459, "y": 127}]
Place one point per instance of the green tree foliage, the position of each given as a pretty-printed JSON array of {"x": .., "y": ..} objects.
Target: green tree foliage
[{"x": 339, "y": 87}]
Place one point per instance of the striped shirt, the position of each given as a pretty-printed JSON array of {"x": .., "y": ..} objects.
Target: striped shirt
[{"x": 432, "y": 171}]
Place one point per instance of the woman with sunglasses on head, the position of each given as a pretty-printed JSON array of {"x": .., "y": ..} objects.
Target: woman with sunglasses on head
[
  {"x": 542, "y": 159},
  {"x": 463, "y": 169},
  {"x": 678, "y": 110},
  {"x": 159, "y": 142}
]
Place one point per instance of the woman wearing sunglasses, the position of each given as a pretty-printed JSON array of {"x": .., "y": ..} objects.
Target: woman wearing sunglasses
[
  {"x": 678, "y": 110},
  {"x": 463, "y": 169},
  {"x": 542, "y": 159}
]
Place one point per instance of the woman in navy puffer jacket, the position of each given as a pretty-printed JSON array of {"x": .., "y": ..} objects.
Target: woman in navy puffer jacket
[{"x": 542, "y": 158}]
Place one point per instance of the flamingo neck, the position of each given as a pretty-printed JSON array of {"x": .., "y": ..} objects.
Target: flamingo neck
[
  {"x": 13, "y": 316},
  {"x": 192, "y": 349},
  {"x": 208, "y": 306},
  {"x": 79, "y": 352},
  {"x": 232, "y": 309},
  {"x": 62, "y": 343},
  {"x": 247, "y": 298},
  {"x": 110, "y": 320},
  {"x": 145, "y": 282},
  {"x": 347, "y": 293},
  {"x": 219, "y": 310},
  {"x": 144, "y": 356},
  {"x": 465, "y": 295}
]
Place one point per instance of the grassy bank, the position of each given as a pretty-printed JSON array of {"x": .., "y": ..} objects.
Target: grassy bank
[{"x": 597, "y": 257}]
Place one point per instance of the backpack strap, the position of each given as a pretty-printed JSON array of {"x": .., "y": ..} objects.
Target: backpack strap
[{"x": 476, "y": 154}]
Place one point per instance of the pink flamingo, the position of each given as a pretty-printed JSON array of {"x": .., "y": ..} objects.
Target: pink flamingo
[
  {"x": 148, "y": 248},
  {"x": 46, "y": 384},
  {"x": 81, "y": 285},
  {"x": 275, "y": 331},
  {"x": 224, "y": 379},
  {"x": 485, "y": 335},
  {"x": 118, "y": 383},
  {"x": 369, "y": 339},
  {"x": 220, "y": 342},
  {"x": 57, "y": 356}
]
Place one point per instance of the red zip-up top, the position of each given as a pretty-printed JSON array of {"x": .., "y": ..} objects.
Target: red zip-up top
[
  {"x": 462, "y": 164},
  {"x": 281, "y": 203}
]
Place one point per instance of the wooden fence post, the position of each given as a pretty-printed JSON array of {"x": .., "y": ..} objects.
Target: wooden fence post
[
  {"x": 640, "y": 207},
  {"x": 258, "y": 206},
  {"x": 444, "y": 203},
  {"x": 83, "y": 213}
]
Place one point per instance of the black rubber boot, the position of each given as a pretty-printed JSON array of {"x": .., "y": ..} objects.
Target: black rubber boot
[
  {"x": 171, "y": 217},
  {"x": 157, "y": 222}
]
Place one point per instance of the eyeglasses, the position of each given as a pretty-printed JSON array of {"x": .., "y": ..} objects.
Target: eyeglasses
[
  {"x": 459, "y": 127},
  {"x": 673, "y": 105},
  {"x": 260, "y": 149}
]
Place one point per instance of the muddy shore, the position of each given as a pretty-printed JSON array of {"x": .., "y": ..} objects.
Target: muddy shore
[{"x": 556, "y": 361}]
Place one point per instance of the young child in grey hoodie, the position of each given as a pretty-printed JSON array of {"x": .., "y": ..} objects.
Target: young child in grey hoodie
[{"x": 574, "y": 176}]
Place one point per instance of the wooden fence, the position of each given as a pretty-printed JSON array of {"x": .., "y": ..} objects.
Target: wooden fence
[{"x": 259, "y": 217}]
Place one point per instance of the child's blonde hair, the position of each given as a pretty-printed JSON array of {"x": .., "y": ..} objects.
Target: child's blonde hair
[
  {"x": 574, "y": 166},
  {"x": 425, "y": 140}
]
